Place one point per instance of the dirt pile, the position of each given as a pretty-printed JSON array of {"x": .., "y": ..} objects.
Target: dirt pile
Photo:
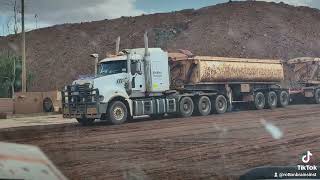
[{"x": 59, "y": 54}]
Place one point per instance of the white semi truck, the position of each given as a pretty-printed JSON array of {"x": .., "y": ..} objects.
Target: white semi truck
[{"x": 150, "y": 81}]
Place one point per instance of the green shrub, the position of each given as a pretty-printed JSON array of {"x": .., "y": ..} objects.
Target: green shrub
[{"x": 8, "y": 76}]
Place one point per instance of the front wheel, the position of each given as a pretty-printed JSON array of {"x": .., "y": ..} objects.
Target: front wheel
[{"x": 117, "y": 112}]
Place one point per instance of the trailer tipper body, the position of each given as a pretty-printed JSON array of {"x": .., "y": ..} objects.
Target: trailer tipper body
[
  {"x": 149, "y": 81},
  {"x": 302, "y": 77},
  {"x": 207, "y": 69}
]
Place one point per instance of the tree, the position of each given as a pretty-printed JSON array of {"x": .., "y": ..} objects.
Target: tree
[
  {"x": 13, "y": 20},
  {"x": 10, "y": 80}
]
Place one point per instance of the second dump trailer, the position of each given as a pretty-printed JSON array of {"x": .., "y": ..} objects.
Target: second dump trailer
[{"x": 302, "y": 77}]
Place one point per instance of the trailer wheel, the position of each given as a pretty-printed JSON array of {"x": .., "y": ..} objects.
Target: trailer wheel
[
  {"x": 317, "y": 96},
  {"x": 85, "y": 121},
  {"x": 220, "y": 104},
  {"x": 272, "y": 100},
  {"x": 186, "y": 107},
  {"x": 259, "y": 101},
  {"x": 203, "y": 106},
  {"x": 117, "y": 112},
  {"x": 283, "y": 99}
]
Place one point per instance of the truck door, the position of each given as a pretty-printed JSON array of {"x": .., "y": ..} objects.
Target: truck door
[{"x": 138, "y": 81}]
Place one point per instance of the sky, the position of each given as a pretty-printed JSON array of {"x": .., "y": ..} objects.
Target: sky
[{"x": 43, "y": 13}]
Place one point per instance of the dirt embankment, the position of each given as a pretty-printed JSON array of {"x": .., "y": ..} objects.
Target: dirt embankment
[{"x": 59, "y": 54}]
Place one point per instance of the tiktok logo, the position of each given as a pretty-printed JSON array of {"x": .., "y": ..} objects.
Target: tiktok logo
[{"x": 306, "y": 158}]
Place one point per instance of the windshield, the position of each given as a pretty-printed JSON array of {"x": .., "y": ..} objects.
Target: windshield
[{"x": 112, "y": 67}]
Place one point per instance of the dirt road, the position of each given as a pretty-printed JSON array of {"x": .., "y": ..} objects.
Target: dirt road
[{"x": 212, "y": 147}]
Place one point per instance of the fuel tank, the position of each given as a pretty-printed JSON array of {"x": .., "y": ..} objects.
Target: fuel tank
[{"x": 208, "y": 69}]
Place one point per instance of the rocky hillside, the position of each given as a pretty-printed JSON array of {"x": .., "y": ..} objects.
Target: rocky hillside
[{"x": 59, "y": 54}]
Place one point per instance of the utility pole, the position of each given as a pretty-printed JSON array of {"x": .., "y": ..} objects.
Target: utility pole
[
  {"x": 24, "y": 73},
  {"x": 36, "y": 18}
]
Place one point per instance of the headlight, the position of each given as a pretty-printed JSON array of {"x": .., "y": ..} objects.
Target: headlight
[
  {"x": 91, "y": 86},
  {"x": 65, "y": 88},
  {"x": 101, "y": 98},
  {"x": 93, "y": 92}
]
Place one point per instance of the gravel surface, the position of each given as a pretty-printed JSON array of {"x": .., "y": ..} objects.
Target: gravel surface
[{"x": 211, "y": 147}]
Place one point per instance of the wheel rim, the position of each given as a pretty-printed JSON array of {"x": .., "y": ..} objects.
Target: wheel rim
[
  {"x": 284, "y": 98},
  {"x": 186, "y": 107},
  {"x": 204, "y": 105},
  {"x": 273, "y": 100},
  {"x": 260, "y": 101},
  {"x": 220, "y": 104},
  {"x": 118, "y": 113}
]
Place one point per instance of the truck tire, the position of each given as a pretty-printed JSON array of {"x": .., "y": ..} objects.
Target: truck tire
[
  {"x": 317, "y": 96},
  {"x": 47, "y": 105},
  {"x": 259, "y": 101},
  {"x": 271, "y": 100},
  {"x": 203, "y": 105},
  {"x": 117, "y": 112},
  {"x": 283, "y": 99},
  {"x": 85, "y": 121},
  {"x": 220, "y": 104},
  {"x": 186, "y": 107}
]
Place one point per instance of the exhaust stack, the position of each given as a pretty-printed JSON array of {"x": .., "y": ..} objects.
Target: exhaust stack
[
  {"x": 147, "y": 64},
  {"x": 96, "y": 62},
  {"x": 146, "y": 44},
  {"x": 117, "y": 45}
]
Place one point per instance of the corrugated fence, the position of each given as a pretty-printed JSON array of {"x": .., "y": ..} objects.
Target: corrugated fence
[{"x": 6, "y": 105}]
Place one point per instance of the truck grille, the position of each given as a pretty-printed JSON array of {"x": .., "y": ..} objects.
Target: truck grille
[{"x": 77, "y": 97}]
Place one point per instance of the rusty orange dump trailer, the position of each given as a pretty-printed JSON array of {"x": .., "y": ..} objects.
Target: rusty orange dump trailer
[
  {"x": 256, "y": 81},
  {"x": 208, "y": 69}
]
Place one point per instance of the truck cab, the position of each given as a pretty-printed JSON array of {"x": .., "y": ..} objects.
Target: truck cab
[{"x": 126, "y": 85}]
